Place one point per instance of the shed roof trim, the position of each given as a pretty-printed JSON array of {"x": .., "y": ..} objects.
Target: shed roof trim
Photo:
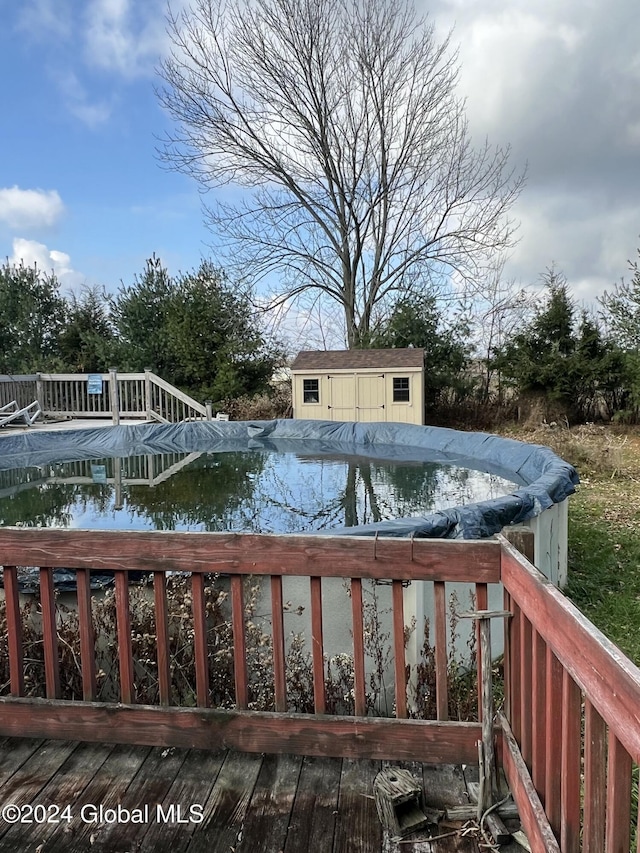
[{"x": 357, "y": 359}]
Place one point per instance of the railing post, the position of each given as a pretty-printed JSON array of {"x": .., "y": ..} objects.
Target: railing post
[
  {"x": 486, "y": 752},
  {"x": 39, "y": 390},
  {"x": 113, "y": 394},
  {"x": 147, "y": 392},
  {"x": 209, "y": 407}
]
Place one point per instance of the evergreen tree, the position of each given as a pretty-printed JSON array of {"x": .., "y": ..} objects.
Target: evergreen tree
[
  {"x": 214, "y": 336},
  {"x": 32, "y": 315},
  {"x": 446, "y": 350},
  {"x": 140, "y": 313},
  {"x": 197, "y": 331},
  {"x": 622, "y": 311},
  {"x": 567, "y": 362},
  {"x": 86, "y": 344}
]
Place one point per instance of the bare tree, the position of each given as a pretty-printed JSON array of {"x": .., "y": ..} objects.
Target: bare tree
[
  {"x": 500, "y": 309},
  {"x": 339, "y": 120}
]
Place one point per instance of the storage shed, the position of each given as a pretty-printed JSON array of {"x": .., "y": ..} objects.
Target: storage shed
[{"x": 359, "y": 385}]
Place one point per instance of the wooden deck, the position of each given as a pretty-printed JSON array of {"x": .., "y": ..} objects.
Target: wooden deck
[
  {"x": 199, "y": 800},
  {"x": 567, "y": 739}
]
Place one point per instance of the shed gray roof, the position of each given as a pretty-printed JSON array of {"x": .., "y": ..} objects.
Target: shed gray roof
[{"x": 358, "y": 359}]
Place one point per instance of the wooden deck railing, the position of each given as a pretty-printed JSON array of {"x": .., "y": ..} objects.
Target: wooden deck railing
[
  {"x": 121, "y": 395},
  {"x": 356, "y": 560},
  {"x": 574, "y": 712},
  {"x": 568, "y": 738}
]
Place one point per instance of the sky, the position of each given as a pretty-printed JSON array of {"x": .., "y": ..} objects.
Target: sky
[{"x": 83, "y": 192}]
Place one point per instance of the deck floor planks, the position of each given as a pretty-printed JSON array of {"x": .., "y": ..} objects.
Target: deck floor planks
[
  {"x": 315, "y": 809},
  {"x": 149, "y": 786},
  {"x": 358, "y": 829},
  {"x": 251, "y": 803},
  {"x": 192, "y": 787},
  {"x": 63, "y": 789},
  {"x": 14, "y": 752},
  {"x": 105, "y": 787},
  {"x": 271, "y": 804},
  {"x": 227, "y": 804},
  {"x": 24, "y": 785}
]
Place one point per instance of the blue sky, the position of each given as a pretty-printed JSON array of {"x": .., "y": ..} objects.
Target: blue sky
[
  {"x": 79, "y": 175},
  {"x": 82, "y": 191}
]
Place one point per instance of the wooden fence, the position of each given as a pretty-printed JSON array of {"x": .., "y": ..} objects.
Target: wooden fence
[
  {"x": 108, "y": 395},
  {"x": 568, "y": 737}
]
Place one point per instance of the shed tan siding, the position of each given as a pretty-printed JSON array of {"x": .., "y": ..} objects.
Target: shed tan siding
[{"x": 359, "y": 392}]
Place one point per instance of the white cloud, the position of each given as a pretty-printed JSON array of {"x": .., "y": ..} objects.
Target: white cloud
[
  {"x": 30, "y": 253},
  {"x": 558, "y": 80},
  {"x": 27, "y": 209},
  {"x": 125, "y": 37},
  {"x": 78, "y": 102},
  {"x": 41, "y": 19},
  {"x": 588, "y": 237}
]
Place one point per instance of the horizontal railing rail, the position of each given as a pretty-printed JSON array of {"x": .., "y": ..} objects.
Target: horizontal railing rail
[
  {"x": 574, "y": 711},
  {"x": 221, "y": 575}
]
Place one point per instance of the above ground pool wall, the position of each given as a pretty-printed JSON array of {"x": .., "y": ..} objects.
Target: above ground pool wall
[{"x": 551, "y": 538}]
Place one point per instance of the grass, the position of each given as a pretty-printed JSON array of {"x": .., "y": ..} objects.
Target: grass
[{"x": 604, "y": 526}]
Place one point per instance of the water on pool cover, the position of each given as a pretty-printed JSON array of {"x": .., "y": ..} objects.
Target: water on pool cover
[{"x": 250, "y": 491}]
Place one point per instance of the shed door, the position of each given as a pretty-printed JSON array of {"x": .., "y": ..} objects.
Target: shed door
[
  {"x": 370, "y": 397},
  {"x": 342, "y": 397}
]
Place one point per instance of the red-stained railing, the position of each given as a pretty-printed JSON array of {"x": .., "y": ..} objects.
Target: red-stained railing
[
  {"x": 568, "y": 738},
  {"x": 355, "y": 560},
  {"x": 574, "y": 712}
]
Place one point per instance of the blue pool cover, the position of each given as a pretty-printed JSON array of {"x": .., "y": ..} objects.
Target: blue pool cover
[{"x": 540, "y": 477}]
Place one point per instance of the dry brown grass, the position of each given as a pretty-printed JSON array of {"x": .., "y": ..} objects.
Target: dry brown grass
[{"x": 608, "y": 461}]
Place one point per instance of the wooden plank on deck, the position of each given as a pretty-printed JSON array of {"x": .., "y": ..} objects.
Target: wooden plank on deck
[
  {"x": 192, "y": 787},
  {"x": 14, "y": 753},
  {"x": 105, "y": 788},
  {"x": 25, "y": 784},
  {"x": 149, "y": 787},
  {"x": 271, "y": 805},
  {"x": 227, "y": 805},
  {"x": 64, "y": 789},
  {"x": 358, "y": 829},
  {"x": 314, "y": 813}
]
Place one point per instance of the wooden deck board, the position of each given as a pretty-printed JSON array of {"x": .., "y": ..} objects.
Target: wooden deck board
[
  {"x": 14, "y": 753},
  {"x": 106, "y": 788},
  {"x": 150, "y": 785},
  {"x": 191, "y": 788},
  {"x": 316, "y": 806},
  {"x": 65, "y": 787},
  {"x": 228, "y": 803},
  {"x": 271, "y": 805},
  {"x": 24, "y": 786},
  {"x": 247, "y": 802},
  {"x": 358, "y": 829}
]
